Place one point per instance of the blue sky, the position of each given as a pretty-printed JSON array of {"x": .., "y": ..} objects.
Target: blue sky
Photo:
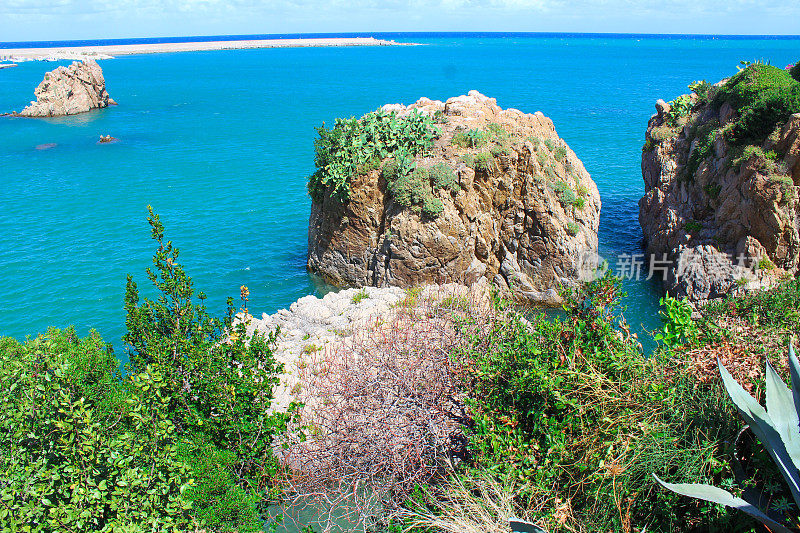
[{"x": 25, "y": 20}]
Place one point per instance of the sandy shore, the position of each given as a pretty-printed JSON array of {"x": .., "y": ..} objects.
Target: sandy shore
[{"x": 107, "y": 52}]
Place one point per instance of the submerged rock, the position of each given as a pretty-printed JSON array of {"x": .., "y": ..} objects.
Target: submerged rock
[
  {"x": 721, "y": 204},
  {"x": 517, "y": 209},
  {"x": 69, "y": 91}
]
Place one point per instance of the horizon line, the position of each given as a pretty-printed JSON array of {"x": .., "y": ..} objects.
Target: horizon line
[{"x": 264, "y": 36}]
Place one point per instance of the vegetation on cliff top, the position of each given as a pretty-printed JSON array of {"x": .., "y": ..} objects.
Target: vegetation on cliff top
[
  {"x": 763, "y": 97},
  {"x": 344, "y": 150}
]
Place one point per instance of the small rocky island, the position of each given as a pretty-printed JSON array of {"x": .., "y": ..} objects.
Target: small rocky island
[
  {"x": 721, "y": 168},
  {"x": 457, "y": 191},
  {"x": 70, "y": 90}
]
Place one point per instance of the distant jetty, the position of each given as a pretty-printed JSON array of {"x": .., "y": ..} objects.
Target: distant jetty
[
  {"x": 7, "y": 65},
  {"x": 110, "y": 51}
]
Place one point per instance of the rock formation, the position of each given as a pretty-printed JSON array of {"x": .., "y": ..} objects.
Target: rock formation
[
  {"x": 69, "y": 91},
  {"x": 521, "y": 210},
  {"x": 721, "y": 189}
]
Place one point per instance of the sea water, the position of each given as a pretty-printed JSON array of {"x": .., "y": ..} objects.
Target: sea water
[{"x": 220, "y": 144}]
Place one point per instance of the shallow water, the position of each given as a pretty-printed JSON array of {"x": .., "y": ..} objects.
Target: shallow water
[{"x": 220, "y": 143}]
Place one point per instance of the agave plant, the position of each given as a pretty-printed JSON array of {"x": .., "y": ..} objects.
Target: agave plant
[
  {"x": 778, "y": 429},
  {"x": 521, "y": 526}
]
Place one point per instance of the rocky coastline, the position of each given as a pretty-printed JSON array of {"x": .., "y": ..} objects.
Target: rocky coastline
[
  {"x": 720, "y": 209},
  {"x": 515, "y": 206}
]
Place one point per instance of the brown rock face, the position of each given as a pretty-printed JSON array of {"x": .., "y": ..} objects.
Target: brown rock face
[
  {"x": 69, "y": 91},
  {"x": 527, "y": 221},
  {"x": 733, "y": 224}
]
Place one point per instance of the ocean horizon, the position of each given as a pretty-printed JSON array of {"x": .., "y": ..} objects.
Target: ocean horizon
[{"x": 221, "y": 143}]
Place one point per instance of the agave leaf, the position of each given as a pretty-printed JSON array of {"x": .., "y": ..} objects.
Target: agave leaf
[
  {"x": 764, "y": 428},
  {"x": 781, "y": 410},
  {"x": 794, "y": 371},
  {"x": 722, "y": 497},
  {"x": 521, "y": 526}
]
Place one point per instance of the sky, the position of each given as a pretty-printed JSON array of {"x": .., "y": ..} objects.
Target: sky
[{"x": 35, "y": 20}]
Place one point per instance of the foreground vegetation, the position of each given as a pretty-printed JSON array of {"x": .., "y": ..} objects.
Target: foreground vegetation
[
  {"x": 183, "y": 441},
  {"x": 558, "y": 420}
]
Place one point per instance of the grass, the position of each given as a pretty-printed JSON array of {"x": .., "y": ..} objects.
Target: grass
[
  {"x": 573, "y": 228},
  {"x": 409, "y": 301},
  {"x": 471, "y": 138},
  {"x": 359, "y": 296},
  {"x": 484, "y": 162}
]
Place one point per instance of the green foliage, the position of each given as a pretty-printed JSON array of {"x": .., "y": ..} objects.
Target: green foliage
[
  {"x": 342, "y": 151},
  {"x": 484, "y": 162},
  {"x": 679, "y": 327},
  {"x": 570, "y": 407},
  {"x": 500, "y": 150},
  {"x": 472, "y": 138},
  {"x": 468, "y": 159},
  {"x": 218, "y": 381},
  {"x": 414, "y": 190},
  {"x": 359, "y": 296},
  {"x": 679, "y": 108},
  {"x": 701, "y": 89},
  {"x": 706, "y": 135},
  {"x": 692, "y": 226},
  {"x": 443, "y": 177},
  {"x": 712, "y": 190},
  {"x": 81, "y": 449},
  {"x": 560, "y": 153},
  {"x": 775, "y": 308},
  {"x": 764, "y": 97},
  {"x": 573, "y": 228},
  {"x": 498, "y": 132},
  {"x": 777, "y": 429},
  {"x": 218, "y": 499},
  {"x": 565, "y": 194},
  {"x": 550, "y": 144}
]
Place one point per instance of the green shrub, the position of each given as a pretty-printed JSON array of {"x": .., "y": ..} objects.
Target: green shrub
[
  {"x": 498, "y": 132},
  {"x": 500, "y": 150},
  {"x": 414, "y": 190},
  {"x": 470, "y": 138},
  {"x": 703, "y": 149},
  {"x": 764, "y": 96},
  {"x": 565, "y": 194},
  {"x": 468, "y": 159},
  {"x": 219, "y": 380},
  {"x": 484, "y": 162},
  {"x": 679, "y": 327},
  {"x": 359, "y": 296},
  {"x": 341, "y": 152},
  {"x": 662, "y": 133},
  {"x": 701, "y": 89},
  {"x": 692, "y": 226},
  {"x": 679, "y": 108},
  {"x": 81, "y": 449},
  {"x": 573, "y": 228},
  {"x": 550, "y": 144},
  {"x": 569, "y": 408},
  {"x": 443, "y": 177},
  {"x": 776, "y": 308},
  {"x": 560, "y": 153},
  {"x": 542, "y": 157}
]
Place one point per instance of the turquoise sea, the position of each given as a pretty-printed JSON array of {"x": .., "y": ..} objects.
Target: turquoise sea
[{"x": 220, "y": 143}]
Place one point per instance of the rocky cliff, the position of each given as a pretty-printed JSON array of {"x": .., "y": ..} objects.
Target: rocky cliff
[
  {"x": 70, "y": 90},
  {"x": 481, "y": 192},
  {"x": 721, "y": 168}
]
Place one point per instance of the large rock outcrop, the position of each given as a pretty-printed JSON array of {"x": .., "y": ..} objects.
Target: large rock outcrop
[
  {"x": 720, "y": 204},
  {"x": 70, "y": 90},
  {"x": 524, "y": 213}
]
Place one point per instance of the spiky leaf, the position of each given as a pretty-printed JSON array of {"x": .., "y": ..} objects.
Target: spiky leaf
[{"x": 716, "y": 495}]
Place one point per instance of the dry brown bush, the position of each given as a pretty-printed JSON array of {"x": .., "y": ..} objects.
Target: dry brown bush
[{"x": 383, "y": 411}]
